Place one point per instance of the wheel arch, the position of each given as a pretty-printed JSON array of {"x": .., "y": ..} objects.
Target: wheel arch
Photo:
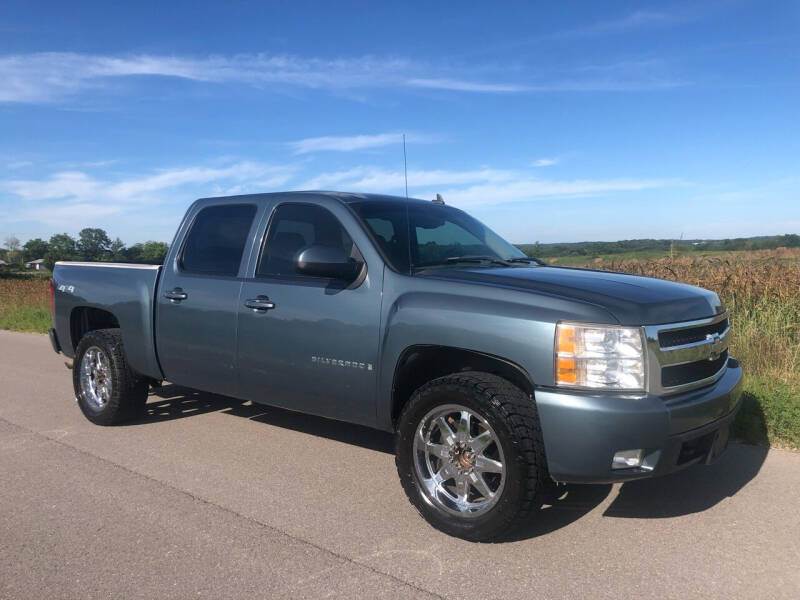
[
  {"x": 419, "y": 364},
  {"x": 83, "y": 319}
]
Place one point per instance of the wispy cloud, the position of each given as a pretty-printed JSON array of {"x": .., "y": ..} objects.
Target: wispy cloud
[
  {"x": 78, "y": 197},
  {"x": 77, "y": 185},
  {"x": 467, "y": 86},
  {"x": 636, "y": 20},
  {"x": 356, "y": 142},
  {"x": 375, "y": 179},
  {"x": 57, "y": 76},
  {"x": 479, "y": 187},
  {"x": 622, "y": 76},
  {"x": 528, "y": 190},
  {"x": 546, "y": 162},
  {"x": 66, "y": 193},
  {"x": 19, "y": 164},
  {"x": 45, "y": 76}
]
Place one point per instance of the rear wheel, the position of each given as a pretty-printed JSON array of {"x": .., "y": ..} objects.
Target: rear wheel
[
  {"x": 107, "y": 390},
  {"x": 470, "y": 455}
]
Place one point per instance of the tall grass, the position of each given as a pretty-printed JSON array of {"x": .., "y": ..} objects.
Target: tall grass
[
  {"x": 762, "y": 293},
  {"x": 24, "y": 303}
]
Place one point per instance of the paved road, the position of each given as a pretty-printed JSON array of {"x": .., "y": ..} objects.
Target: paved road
[{"x": 208, "y": 497}]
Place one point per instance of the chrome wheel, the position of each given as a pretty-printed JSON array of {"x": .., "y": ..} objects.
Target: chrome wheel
[
  {"x": 458, "y": 461},
  {"x": 95, "y": 377}
]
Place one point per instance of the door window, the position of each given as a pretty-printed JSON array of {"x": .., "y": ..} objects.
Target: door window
[
  {"x": 295, "y": 227},
  {"x": 216, "y": 241}
]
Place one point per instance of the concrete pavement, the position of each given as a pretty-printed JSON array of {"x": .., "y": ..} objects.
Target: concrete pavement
[{"x": 209, "y": 497}]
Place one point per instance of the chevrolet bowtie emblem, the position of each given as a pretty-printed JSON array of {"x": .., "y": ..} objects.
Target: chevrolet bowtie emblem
[{"x": 715, "y": 347}]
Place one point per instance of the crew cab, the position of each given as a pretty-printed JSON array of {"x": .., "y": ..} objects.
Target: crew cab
[{"x": 498, "y": 374}]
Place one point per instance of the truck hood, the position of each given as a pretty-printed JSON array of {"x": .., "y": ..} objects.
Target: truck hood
[{"x": 631, "y": 299}]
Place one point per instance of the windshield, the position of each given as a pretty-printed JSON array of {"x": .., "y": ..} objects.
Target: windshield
[{"x": 438, "y": 234}]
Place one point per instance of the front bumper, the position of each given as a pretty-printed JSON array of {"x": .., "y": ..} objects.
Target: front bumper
[{"x": 583, "y": 431}]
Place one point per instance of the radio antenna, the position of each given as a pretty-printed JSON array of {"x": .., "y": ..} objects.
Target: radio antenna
[{"x": 405, "y": 164}]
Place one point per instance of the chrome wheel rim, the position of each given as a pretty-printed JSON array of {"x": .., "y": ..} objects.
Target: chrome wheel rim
[
  {"x": 96, "y": 378},
  {"x": 458, "y": 461}
]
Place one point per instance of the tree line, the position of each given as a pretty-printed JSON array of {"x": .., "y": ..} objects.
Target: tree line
[
  {"x": 92, "y": 244},
  {"x": 789, "y": 240}
]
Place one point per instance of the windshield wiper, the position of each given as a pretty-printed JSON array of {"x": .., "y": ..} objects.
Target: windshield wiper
[
  {"x": 465, "y": 259},
  {"x": 526, "y": 259}
]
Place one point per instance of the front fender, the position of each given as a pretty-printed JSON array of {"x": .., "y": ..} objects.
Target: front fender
[{"x": 518, "y": 327}]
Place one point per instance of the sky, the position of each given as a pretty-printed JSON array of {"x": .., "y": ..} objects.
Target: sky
[{"x": 549, "y": 121}]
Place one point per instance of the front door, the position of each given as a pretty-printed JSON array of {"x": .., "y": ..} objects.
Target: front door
[
  {"x": 199, "y": 298},
  {"x": 308, "y": 343}
]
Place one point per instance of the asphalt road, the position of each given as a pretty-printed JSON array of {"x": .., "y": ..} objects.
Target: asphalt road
[{"x": 208, "y": 497}]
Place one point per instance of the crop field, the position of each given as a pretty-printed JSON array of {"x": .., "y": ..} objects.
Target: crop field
[
  {"x": 24, "y": 303},
  {"x": 760, "y": 288},
  {"x": 762, "y": 292}
]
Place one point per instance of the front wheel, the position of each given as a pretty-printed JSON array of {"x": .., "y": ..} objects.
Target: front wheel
[
  {"x": 470, "y": 456},
  {"x": 107, "y": 390}
]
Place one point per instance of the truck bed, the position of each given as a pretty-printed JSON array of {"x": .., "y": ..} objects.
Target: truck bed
[{"x": 126, "y": 291}]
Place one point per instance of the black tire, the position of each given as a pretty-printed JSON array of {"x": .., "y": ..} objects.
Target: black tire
[
  {"x": 128, "y": 394},
  {"x": 512, "y": 415}
]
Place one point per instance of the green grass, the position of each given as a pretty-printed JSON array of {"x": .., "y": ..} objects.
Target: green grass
[
  {"x": 770, "y": 413},
  {"x": 25, "y": 318}
]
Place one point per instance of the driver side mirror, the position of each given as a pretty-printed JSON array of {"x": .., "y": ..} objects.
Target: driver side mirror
[{"x": 325, "y": 261}]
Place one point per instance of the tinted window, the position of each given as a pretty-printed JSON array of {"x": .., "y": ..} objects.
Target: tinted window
[
  {"x": 437, "y": 233},
  {"x": 216, "y": 241},
  {"x": 295, "y": 227}
]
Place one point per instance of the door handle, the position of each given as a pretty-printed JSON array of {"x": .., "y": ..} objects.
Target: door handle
[
  {"x": 176, "y": 295},
  {"x": 260, "y": 303}
]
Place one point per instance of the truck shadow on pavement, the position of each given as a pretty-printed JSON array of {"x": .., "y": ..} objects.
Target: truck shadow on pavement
[
  {"x": 171, "y": 401},
  {"x": 692, "y": 490}
]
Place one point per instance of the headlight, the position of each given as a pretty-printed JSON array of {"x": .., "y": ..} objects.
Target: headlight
[{"x": 593, "y": 356}]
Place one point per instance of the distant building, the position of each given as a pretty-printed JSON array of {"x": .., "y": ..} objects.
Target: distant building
[{"x": 37, "y": 264}]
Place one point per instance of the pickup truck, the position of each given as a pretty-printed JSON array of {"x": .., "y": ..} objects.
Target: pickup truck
[{"x": 500, "y": 376}]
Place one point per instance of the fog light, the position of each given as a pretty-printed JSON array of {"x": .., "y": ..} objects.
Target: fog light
[{"x": 627, "y": 459}]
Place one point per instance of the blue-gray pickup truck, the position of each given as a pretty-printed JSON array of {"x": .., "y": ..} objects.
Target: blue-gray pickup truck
[{"x": 499, "y": 375}]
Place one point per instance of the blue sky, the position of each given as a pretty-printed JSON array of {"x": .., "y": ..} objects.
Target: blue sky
[{"x": 549, "y": 121}]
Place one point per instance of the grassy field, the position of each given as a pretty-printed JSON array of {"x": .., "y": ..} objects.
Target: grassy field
[
  {"x": 762, "y": 292},
  {"x": 24, "y": 302},
  {"x": 760, "y": 288}
]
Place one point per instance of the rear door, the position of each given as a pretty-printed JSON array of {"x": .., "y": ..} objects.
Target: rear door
[
  {"x": 313, "y": 346},
  {"x": 198, "y": 297}
]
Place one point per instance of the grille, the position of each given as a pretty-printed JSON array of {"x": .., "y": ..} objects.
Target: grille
[
  {"x": 679, "y": 337},
  {"x": 693, "y": 371}
]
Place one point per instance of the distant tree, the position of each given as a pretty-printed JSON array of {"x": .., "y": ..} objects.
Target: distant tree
[
  {"x": 12, "y": 243},
  {"x": 12, "y": 246},
  {"x": 93, "y": 243},
  {"x": 62, "y": 247},
  {"x": 34, "y": 249},
  {"x": 154, "y": 252},
  {"x": 13, "y": 254},
  {"x": 133, "y": 253},
  {"x": 790, "y": 240},
  {"x": 117, "y": 250}
]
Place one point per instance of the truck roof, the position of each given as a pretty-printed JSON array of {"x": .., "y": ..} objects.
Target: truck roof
[{"x": 343, "y": 197}]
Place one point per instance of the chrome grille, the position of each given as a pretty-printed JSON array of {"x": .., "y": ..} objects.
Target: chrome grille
[
  {"x": 685, "y": 356},
  {"x": 681, "y": 337}
]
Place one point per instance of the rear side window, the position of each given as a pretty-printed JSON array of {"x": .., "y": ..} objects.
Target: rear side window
[
  {"x": 216, "y": 241},
  {"x": 295, "y": 227}
]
